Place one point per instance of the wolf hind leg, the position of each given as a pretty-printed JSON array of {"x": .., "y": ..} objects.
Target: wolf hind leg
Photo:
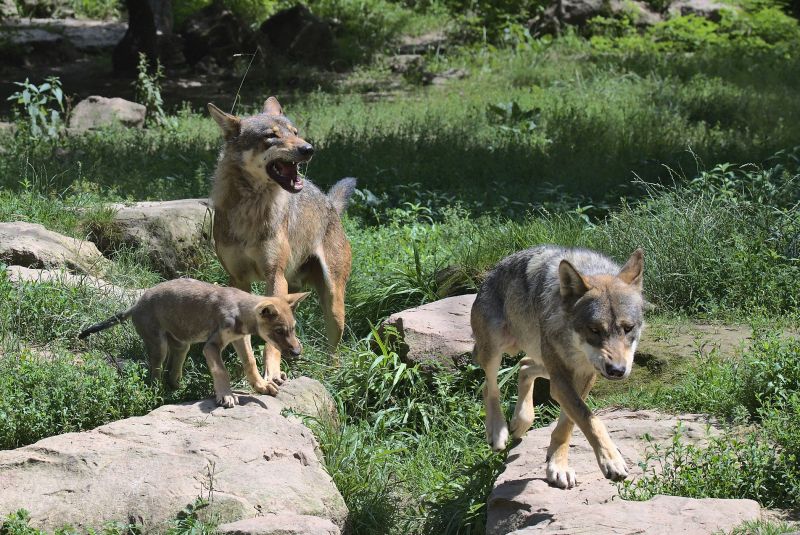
[
  {"x": 177, "y": 357},
  {"x": 524, "y": 412},
  {"x": 156, "y": 345}
]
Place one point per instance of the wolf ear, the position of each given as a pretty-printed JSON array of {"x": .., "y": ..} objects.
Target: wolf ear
[
  {"x": 573, "y": 284},
  {"x": 296, "y": 299},
  {"x": 229, "y": 124},
  {"x": 633, "y": 271},
  {"x": 272, "y": 106},
  {"x": 267, "y": 309}
]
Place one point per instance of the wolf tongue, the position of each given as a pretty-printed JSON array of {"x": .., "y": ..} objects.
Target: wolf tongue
[{"x": 288, "y": 170}]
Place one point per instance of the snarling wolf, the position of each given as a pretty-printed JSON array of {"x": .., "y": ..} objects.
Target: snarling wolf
[
  {"x": 575, "y": 314},
  {"x": 273, "y": 225},
  {"x": 172, "y": 315}
]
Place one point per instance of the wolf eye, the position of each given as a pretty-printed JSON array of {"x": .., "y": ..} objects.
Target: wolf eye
[
  {"x": 595, "y": 330},
  {"x": 271, "y": 135},
  {"x": 280, "y": 330},
  {"x": 627, "y": 328}
]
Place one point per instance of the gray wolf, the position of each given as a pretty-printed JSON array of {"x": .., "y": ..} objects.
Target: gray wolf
[
  {"x": 273, "y": 225},
  {"x": 172, "y": 315},
  {"x": 576, "y": 314}
]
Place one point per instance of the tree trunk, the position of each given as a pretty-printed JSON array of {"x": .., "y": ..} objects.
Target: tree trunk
[{"x": 149, "y": 32}]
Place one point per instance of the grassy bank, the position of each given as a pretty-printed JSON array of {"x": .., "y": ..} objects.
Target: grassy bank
[{"x": 613, "y": 141}]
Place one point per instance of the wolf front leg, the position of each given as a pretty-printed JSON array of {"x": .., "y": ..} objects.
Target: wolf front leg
[
  {"x": 276, "y": 285},
  {"x": 250, "y": 368},
  {"x": 574, "y": 409},
  {"x": 222, "y": 381},
  {"x": 496, "y": 429}
]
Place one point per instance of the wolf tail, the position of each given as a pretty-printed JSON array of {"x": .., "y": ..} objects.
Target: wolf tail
[
  {"x": 340, "y": 193},
  {"x": 116, "y": 319}
]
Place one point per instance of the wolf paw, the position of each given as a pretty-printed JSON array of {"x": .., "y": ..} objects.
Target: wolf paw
[
  {"x": 266, "y": 387},
  {"x": 279, "y": 378},
  {"x": 497, "y": 435},
  {"x": 613, "y": 467},
  {"x": 560, "y": 476},
  {"x": 519, "y": 426},
  {"x": 226, "y": 400}
]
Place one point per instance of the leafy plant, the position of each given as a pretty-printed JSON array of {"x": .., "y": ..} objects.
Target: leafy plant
[
  {"x": 41, "y": 105},
  {"x": 512, "y": 118},
  {"x": 148, "y": 91}
]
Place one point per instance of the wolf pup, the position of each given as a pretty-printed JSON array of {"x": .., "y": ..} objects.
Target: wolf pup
[
  {"x": 575, "y": 314},
  {"x": 273, "y": 225},
  {"x": 175, "y": 314}
]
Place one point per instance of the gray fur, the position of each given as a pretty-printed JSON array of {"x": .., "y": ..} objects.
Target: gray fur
[{"x": 576, "y": 314}]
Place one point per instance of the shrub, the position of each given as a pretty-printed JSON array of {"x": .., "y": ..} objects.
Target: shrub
[{"x": 39, "y": 108}]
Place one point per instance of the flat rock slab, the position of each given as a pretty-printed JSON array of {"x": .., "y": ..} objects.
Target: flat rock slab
[
  {"x": 280, "y": 524},
  {"x": 683, "y": 340},
  {"x": 19, "y": 274},
  {"x": 251, "y": 459},
  {"x": 172, "y": 232},
  {"x": 523, "y": 502},
  {"x": 438, "y": 331},
  {"x": 31, "y": 245}
]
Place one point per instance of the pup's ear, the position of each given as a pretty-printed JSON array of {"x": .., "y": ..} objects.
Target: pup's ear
[
  {"x": 633, "y": 271},
  {"x": 267, "y": 309},
  {"x": 229, "y": 124},
  {"x": 272, "y": 106},
  {"x": 573, "y": 284},
  {"x": 296, "y": 299}
]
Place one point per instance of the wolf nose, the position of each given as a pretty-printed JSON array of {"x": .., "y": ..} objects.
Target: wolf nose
[
  {"x": 613, "y": 370},
  {"x": 295, "y": 351},
  {"x": 306, "y": 150}
]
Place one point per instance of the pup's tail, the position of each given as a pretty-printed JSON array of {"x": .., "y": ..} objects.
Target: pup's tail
[
  {"x": 340, "y": 193},
  {"x": 116, "y": 319}
]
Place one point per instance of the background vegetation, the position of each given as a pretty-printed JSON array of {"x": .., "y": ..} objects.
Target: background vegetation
[{"x": 681, "y": 138}]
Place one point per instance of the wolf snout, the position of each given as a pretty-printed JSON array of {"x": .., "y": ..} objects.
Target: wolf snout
[
  {"x": 295, "y": 351},
  {"x": 615, "y": 371},
  {"x": 306, "y": 150}
]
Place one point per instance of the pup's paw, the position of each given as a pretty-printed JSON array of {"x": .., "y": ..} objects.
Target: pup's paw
[
  {"x": 266, "y": 387},
  {"x": 227, "y": 400},
  {"x": 561, "y": 476},
  {"x": 613, "y": 466}
]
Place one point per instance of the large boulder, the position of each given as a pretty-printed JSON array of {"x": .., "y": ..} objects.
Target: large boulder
[
  {"x": 523, "y": 503},
  {"x": 32, "y": 245},
  {"x": 27, "y": 46},
  {"x": 439, "y": 331},
  {"x": 579, "y": 12},
  {"x": 300, "y": 35},
  {"x": 172, "y": 232},
  {"x": 98, "y": 112},
  {"x": 23, "y": 275},
  {"x": 708, "y": 9},
  {"x": 250, "y": 460}
]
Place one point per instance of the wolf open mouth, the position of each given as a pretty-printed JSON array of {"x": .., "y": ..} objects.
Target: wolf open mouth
[{"x": 285, "y": 174}]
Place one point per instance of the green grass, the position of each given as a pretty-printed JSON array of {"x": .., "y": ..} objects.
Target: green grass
[
  {"x": 599, "y": 118},
  {"x": 758, "y": 458}
]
